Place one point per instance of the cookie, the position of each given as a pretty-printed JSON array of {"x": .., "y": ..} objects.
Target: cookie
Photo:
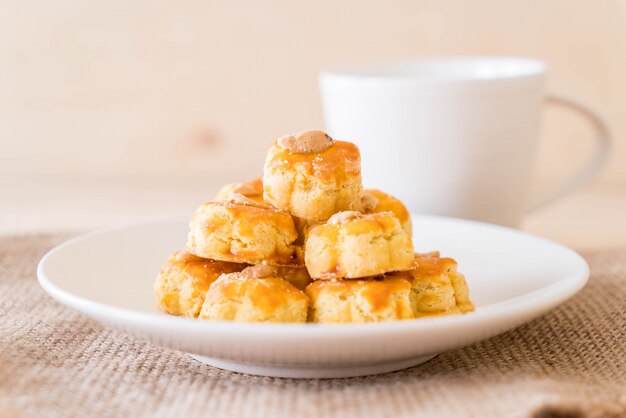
[
  {"x": 376, "y": 201},
  {"x": 252, "y": 189},
  {"x": 354, "y": 245},
  {"x": 183, "y": 281},
  {"x": 370, "y": 300},
  {"x": 242, "y": 230},
  {"x": 312, "y": 176},
  {"x": 256, "y": 294},
  {"x": 437, "y": 287}
]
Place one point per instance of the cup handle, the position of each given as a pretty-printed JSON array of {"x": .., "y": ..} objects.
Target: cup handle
[{"x": 594, "y": 164}]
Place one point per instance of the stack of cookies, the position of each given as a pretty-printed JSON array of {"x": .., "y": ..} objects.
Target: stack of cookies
[{"x": 307, "y": 244}]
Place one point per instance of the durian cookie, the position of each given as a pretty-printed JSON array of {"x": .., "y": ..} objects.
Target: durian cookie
[
  {"x": 252, "y": 189},
  {"x": 256, "y": 294},
  {"x": 354, "y": 245},
  {"x": 377, "y": 201},
  {"x": 369, "y": 300},
  {"x": 242, "y": 230},
  {"x": 437, "y": 287},
  {"x": 312, "y": 176},
  {"x": 184, "y": 279}
]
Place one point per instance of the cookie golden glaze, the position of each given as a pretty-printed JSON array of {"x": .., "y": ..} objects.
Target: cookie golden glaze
[
  {"x": 370, "y": 300},
  {"x": 376, "y": 201},
  {"x": 252, "y": 189},
  {"x": 183, "y": 281},
  {"x": 254, "y": 295},
  {"x": 355, "y": 245},
  {"x": 312, "y": 176},
  {"x": 437, "y": 287},
  {"x": 242, "y": 230}
]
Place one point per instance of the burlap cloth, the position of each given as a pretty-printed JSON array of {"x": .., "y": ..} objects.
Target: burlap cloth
[{"x": 55, "y": 362}]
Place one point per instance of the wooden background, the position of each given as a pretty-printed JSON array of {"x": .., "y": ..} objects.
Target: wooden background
[{"x": 170, "y": 97}]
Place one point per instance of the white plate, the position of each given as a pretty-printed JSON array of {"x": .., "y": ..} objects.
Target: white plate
[{"x": 513, "y": 277}]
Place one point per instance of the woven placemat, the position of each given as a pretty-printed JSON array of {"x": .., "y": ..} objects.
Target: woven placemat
[{"x": 55, "y": 362}]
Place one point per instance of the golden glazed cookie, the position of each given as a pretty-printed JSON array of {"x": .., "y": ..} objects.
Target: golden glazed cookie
[
  {"x": 437, "y": 288},
  {"x": 184, "y": 280},
  {"x": 252, "y": 189},
  {"x": 377, "y": 201},
  {"x": 312, "y": 176},
  {"x": 354, "y": 245},
  {"x": 256, "y": 294},
  {"x": 370, "y": 300},
  {"x": 243, "y": 231}
]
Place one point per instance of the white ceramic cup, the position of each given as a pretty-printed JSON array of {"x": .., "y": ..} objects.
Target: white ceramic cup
[{"x": 452, "y": 136}]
